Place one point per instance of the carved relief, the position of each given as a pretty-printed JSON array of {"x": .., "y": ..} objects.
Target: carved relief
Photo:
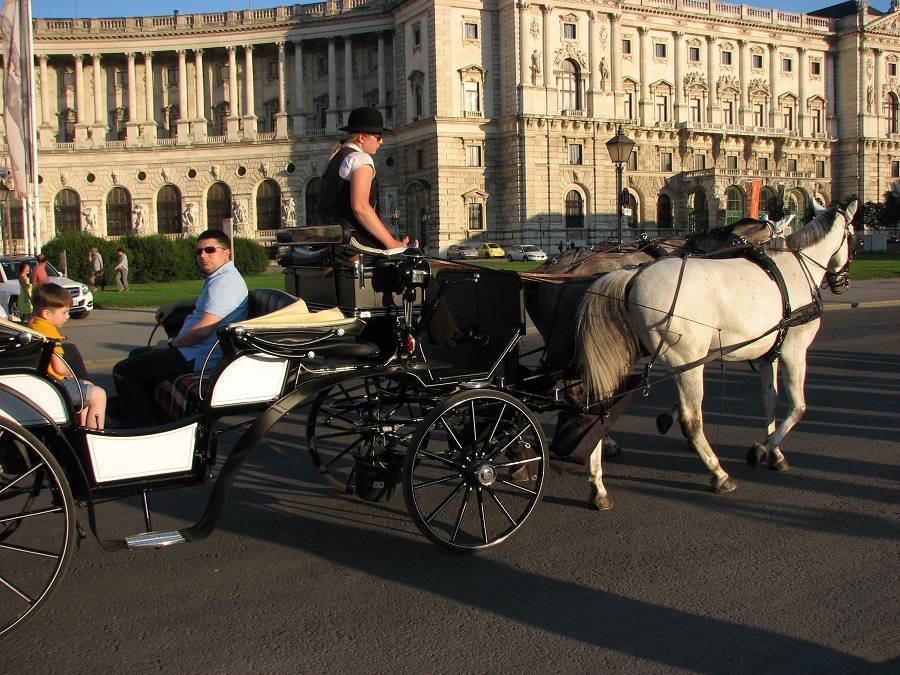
[
  {"x": 726, "y": 83},
  {"x": 602, "y": 36},
  {"x": 758, "y": 85},
  {"x": 570, "y": 51},
  {"x": 694, "y": 79},
  {"x": 535, "y": 28}
]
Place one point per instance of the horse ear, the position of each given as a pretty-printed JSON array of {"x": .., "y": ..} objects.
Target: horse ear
[
  {"x": 783, "y": 223},
  {"x": 817, "y": 208},
  {"x": 851, "y": 209}
]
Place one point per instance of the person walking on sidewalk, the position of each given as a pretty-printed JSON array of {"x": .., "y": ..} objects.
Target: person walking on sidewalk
[
  {"x": 97, "y": 277},
  {"x": 121, "y": 270}
]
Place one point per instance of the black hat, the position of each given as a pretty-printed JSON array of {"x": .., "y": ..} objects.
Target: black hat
[{"x": 365, "y": 120}]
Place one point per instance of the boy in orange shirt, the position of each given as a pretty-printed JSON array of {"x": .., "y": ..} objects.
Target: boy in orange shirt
[{"x": 51, "y": 304}]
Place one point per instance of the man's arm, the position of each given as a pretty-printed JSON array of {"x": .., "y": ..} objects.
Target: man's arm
[{"x": 197, "y": 333}]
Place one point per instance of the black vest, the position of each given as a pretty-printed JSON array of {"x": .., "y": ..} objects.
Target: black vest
[{"x": 334, "y": 198}]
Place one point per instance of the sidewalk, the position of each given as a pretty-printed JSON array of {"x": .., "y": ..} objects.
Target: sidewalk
[{"x": 863, "y": 294}]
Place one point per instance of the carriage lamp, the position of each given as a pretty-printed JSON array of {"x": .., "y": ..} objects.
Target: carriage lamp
[
  {"x": 395, "y": 219},
  {"x": 619, "y": 147}
]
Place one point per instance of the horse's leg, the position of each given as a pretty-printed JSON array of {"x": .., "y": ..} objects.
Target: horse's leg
[
  {"x": 793, "y": 358},
  {"x": 768, "y": 375},
  {"x": 690, "y": 394},
  {"x": 598, "y": 496}
]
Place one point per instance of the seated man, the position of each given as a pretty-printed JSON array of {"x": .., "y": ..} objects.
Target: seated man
[{"x": 223, "y": 300}]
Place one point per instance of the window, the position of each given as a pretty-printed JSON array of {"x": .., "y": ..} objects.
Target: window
[
  {"x": 820, "y": 168},
  {"x": 815, "y": 67},
  {"x": 67, "y": 125},
  {"x": 223, "y": 72},
  {"x": 417, "y": 99},
  {"x": 268, "y": 205},
  {"x": 118, "y": 211},
  {"x": 699, "y": 161},
  {"x": 698, "y": 217},
  {"x": 756, "y": 61},
  {"x": 632, "y": 163},
  {"x": 626, "y": 46},
  {"x": 817, "y": 121},
  {"x": 628, "y": 105},
  {"x": 792, "y": 164},
  {"x": 694, "y": 54},
  {"x": 726, "y": 58},
  {"x": 662, "y": 108},
  {"x": 69, "y": 79},
  {"x": 660, "y": 50},
  {"x": 272, "y": 70},
  {"x": 171, "y": 75},
  {"x": 570, "y": 86},
  {"x": 665, "y": 161},
  {"x": 311, "y": 200},
  {"x": 121, "y": 78},
  {"x": 67, "y": 211},
  {"x": 890, "y": 113},
  {"x": 417, "y": 36},
  {"x": 574, "y": 210},
  {"x": 420, "y": 158},
  {"x": 473, "y": 155},
  {"x": 731, "y": 162},
  {"x": 476, "y": 216},
  {"x": 218, "y": 205},
  {"x": 758, "y": 115},
  {"x": 895, "y": 169},
  {"x": 787, "y": 65},
  {"x": 576, "y": 153},
  {"x": 663, "y": 212},
  {"x": 470, "y": 31},
  {"x": 892, "y": 69},
  {"x": 569, "y": 31},
  {"x": 787, "y": 118},
  {"x": 322, "y": 65},
  {"x": 630, "y": 209},
  {"x": 472, "y": 96},
  {"x": 695, "y": 110},
  {"x": 168, "y": 210},
  {"x": 734, "y": 205},
  {"x": 763, "y": 163},
  {"x": 728, "y": 112}
]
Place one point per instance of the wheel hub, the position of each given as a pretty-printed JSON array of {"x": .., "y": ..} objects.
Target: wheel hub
[{"x": 484, "y": 474}]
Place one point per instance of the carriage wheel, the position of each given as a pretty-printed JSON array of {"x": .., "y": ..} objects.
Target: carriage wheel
[
  {"x": 474, "y": 469},
  {"x": 370, "y": 417},
  {"x": 37, "y": 524}
]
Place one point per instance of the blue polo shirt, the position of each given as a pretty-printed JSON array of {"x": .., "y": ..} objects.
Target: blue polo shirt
[{"x": 224, "y": 294}]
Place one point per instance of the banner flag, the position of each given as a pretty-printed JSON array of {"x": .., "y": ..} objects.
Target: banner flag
[
  {"x": 755, "y": 191},
  {"x": 15, "y": 112}
]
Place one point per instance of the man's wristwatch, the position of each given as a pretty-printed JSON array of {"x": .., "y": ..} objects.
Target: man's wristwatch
[{"x": 171, "y": 343}]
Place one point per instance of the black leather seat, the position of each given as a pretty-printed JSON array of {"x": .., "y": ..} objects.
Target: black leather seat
[{"x": 264, "y": 301}]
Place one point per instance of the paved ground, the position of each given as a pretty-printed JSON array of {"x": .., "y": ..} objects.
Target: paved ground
[{"x": 792, "y": 573}]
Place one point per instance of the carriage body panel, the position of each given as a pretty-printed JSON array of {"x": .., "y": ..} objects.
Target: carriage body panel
[
  {"x": 116, "y": 456},
  {"x": 47, "y": 398},
  {"x": 251, "y": 378}
]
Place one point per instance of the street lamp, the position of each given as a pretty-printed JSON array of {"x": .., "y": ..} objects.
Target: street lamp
[
  {"x": 619, "y": 147},
  {"x": 395, "y": 219},
  {"x": 4, "y": 197}
]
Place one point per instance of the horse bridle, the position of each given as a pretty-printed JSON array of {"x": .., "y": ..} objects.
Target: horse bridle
[{"x": 839, "y": 281}]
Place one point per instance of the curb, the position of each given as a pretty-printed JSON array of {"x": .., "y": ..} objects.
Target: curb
[{"x": 871, "y": 304}]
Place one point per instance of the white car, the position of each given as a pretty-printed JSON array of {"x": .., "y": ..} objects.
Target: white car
[
  {"x": 82, "y": 298},
  {"x": 526, "y": 252}
]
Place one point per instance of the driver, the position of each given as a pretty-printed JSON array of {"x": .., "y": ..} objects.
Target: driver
[{"x": 349, "y": 188}]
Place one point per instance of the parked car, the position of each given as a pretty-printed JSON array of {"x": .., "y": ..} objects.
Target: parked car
[
  {"x": 526, "y": 252},
  {"x": 491, "y": 250},
  {"x": 461, "y": 251},
  {"x": 82, "y": 298}
]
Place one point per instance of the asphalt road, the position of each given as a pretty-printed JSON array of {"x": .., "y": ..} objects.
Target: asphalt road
[{"x": 794, "y": 572}]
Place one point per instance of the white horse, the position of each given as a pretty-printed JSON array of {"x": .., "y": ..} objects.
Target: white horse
[{"x": 686, "y": 312}]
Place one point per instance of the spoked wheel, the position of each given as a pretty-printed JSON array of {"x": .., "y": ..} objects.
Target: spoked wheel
[
  {"x": 474, "y": 469},
  {"x": 37, "y": 523},
  {"x": 366, "y": 420}
]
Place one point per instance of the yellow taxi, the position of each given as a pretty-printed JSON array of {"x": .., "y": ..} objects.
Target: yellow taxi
[{"x": 491, "y": 250}]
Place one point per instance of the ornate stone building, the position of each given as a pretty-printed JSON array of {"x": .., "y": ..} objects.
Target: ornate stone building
[{"x": 500, "y": 111}]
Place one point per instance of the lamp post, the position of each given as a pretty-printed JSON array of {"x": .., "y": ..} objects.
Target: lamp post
[
  {"x": 619, "y": 147},
  {"x": 395, "y": 220},
  {"x": 4, "y": 197},
  {"x": 423, "y": 221}
]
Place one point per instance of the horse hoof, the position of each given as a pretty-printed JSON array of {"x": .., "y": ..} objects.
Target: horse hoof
[
  {"x": 723, "y": 486},
  {"x": 756, "y": 454},
  {"x": 603, "y": 503},
  {"x": 613, "y": 453},
  {"x": 664, "y": 423},
  {"x": 780, "y": 465}
]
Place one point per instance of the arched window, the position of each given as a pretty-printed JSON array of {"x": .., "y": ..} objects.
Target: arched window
[
  {"x": 268, "y": 205},
  {"x": 768, "y": 202},
  {"x": 118, "y": 211},
  {"x": 734, "y": 205},
  {"x": 569, "y": 86},
  {"x": 218, "y": 205},
  {"x": 67, "y": 211},
  {"x": 574, "y": 210},
  {"x": 795, "y": 202},
  {"x": 891, "y": 110},
  {"x": 11, "y": 215},
  {"x": 699, "y": 211},
  {"x": 312, "y": 202},
  {"x": 168, "y": 210},
  {"x": 663, "y": 212}
]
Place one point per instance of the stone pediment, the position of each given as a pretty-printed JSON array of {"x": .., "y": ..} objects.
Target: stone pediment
[
  {"x": 886, "y": 25},
  {"x": 694, "y": 79},
  {"x": 758, "y": 85},
  {"x": 727, "y": 82},
  {"x": 475, "y": 194},
  {"x": 570, "y": 51}
]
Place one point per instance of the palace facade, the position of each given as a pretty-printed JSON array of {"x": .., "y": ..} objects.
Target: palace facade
[{"x": 500, "y": 113}]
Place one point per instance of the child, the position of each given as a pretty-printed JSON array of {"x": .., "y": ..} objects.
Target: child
[{"x": 51, "y": 304}]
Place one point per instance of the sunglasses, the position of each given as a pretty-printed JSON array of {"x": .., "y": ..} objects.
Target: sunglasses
[
  {"x": 208, "y": 250},
  {"x": 377, "y": 137}
]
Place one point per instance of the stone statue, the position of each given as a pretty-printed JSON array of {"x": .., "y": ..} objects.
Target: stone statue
[
  {"x": 535, "y": 66},
  {"x": 238, "y": 217},
  {"x": 604, "y": 73},
  {"x": 870, "y": 97},
  {"x": 288, "y": 212},
  {"x": 90, "y": 219},
  {"x": 895, "y": 5},
  {"x": 189, "y": 220},
  {"x": 138, "y": 220}
]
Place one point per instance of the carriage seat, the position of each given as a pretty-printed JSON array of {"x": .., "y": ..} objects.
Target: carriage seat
[{"x": 181, "y": 396}]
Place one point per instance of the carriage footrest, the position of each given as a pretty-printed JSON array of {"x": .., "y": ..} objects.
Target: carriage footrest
[{"x": 154, "y": 539}]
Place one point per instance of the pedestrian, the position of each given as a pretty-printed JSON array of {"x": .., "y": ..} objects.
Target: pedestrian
[
  {"x": 39, "y": 275},
  {"x": 96, "y": 277},
  {"x": 25, "y": 291},
  {"x": 560, "y": 246},
  {"x": 121, "y": 270}
]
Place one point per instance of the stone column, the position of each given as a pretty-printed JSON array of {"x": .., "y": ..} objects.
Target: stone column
[
  {"x": 332, "y": 114},
  {"x": 615, "y": 67},
  {"x": 281, "y": 117},
  {"x": 250, "y": 107},
  {"x": 99, "y": 128},
  {"x": 298, "y": 97},
  {"x": 549, "y": 80},
  {"x": 199, "y": 124},
  {"x": 646, "y": 105},
  {"x": 830, "y": 120},
  {"x": 773, "y": 86},
  {"x": 149, "y": 130},
  {"x": 348, "y": 76},
  {"x": 232, "y": 122},
  {"x": 746, "y": 113},
  {"x": 132, "y": 127},
  {"x": 524, "y": 53},
  {"x": 382, "y": 77},
  {"x": 183, "y": 123},
  {"x": 46, "y": 130},
  {"x": 678, "y": 51},
  {"x": 81, "y": 126},
  {"x": 713, "y": 115},
  {"x": 879, "y": 132},
  {"x": 802, "y": 114}
]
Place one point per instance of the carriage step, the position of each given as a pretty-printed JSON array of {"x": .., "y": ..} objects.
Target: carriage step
[{"x": 154, "y": 539}]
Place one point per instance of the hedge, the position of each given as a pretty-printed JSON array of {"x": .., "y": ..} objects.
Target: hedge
[{"x": 152, "y": 258}]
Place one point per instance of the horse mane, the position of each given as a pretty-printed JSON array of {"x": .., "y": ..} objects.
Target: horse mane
[{"x": 814, "y": 231}]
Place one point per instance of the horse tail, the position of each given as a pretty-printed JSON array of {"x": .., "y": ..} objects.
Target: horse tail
[{"x": 607, "y": 344}]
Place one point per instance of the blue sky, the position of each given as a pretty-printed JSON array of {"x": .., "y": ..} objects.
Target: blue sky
[{"x": 71, "y": 8}]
